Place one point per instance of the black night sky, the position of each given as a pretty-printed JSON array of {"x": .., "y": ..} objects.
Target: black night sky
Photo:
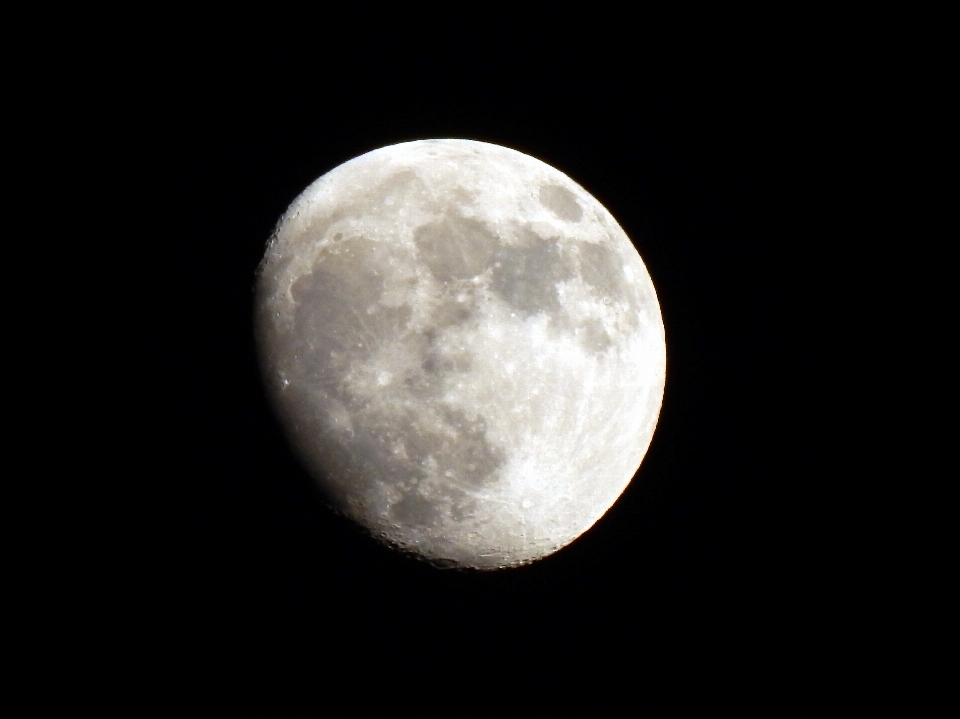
[{"x": 726, "y": 147}]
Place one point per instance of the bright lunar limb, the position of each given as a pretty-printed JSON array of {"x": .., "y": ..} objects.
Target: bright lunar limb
[{"x": 464, "y": 347}]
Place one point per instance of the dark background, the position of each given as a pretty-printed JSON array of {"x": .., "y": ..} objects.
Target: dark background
[{"x": 730, "y": 149}]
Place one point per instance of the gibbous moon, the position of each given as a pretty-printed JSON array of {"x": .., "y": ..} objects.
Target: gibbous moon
[{"x": 464, "y": 348}]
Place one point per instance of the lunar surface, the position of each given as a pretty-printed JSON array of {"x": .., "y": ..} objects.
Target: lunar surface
[{"x": 464, "y": 347}]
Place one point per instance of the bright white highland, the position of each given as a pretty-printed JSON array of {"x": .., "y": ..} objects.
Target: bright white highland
[{"x": 464, "y": 347}]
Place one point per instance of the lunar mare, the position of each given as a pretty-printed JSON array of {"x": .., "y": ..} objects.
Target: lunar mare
[{"x": 464, "y": 347}]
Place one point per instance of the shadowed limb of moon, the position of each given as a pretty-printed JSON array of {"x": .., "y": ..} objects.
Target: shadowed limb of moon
[{"x": 464, "y": 348}]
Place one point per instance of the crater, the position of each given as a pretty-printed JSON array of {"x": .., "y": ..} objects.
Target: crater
[{"x": 561, "y": 202}]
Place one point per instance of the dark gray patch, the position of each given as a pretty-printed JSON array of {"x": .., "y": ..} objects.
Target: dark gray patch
[
  {"x": 457, "y": 306},
  {"x": 462, "y": 507},
  {"x": 397, "y": 186},
  {"x": 526, "y": 276},
  {"x": 427, "y": 380},
  {"x": 561, "y": 202},
  {"x": 471, "y": 458},
  {"x": 593, "y": 337},
  {"x": 332, "y": 328},
  {"x": 317, "y": 227},
  {"x": 414, "y": 510},
  {"x": 456, "y": 247},
  {"x": 424, "y": 381},
  {"x": 446, "y": 362},
  {"x": 602, "y": 269},
  {"x": 466, "y": 457},
  {"x": 451, "y": 313},
  {"x": 463, "y": 197}
]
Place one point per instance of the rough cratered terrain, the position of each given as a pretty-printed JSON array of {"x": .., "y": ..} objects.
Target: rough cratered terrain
[{"x": 464, "y": 347}]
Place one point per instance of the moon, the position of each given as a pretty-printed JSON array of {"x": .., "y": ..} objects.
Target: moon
[{"x": 464, "y": 348}]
